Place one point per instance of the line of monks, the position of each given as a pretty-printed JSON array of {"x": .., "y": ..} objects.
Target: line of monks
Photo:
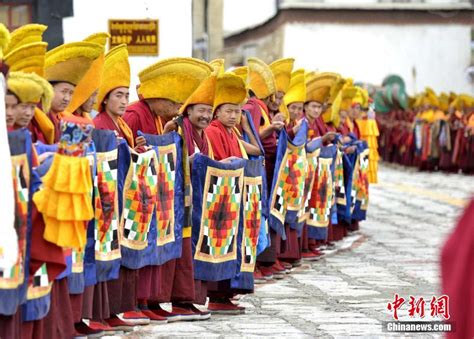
[
  {"x": 211, "y": 182},
  {"x": 436, "y": 132}
]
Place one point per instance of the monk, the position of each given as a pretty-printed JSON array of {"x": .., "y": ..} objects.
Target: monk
[{"x": 159, "y": 103}]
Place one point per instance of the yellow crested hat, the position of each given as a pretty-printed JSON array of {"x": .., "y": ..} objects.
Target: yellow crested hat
[
  {"x": 31, "y": 88},
  {"x": 242, "y": 72},
  {"x": 69, "y": 62},
  {"x": 430, "y": 97},
  {"x": 347, "y": 95},
  {"x": 443, "y": 101},
  {"x": 24, "y": 35},
  {"x": 297, "y": 88},
  {"x": 91, "y": 81},
  {"x": 281, "y": 70},
  {"x": 204, "y": 94},
  {"x": 361, "y": 97},
  {"x": 260, "y": 78},
  {"x": 29, "y": 58},
  {"x": 332, "y": 113},
  {"x": 99, "y": 38},
  {"x": 115, "y": 73},
  {"x": 318, "y": 86},
  {"x": 230, "y": 89},
  {"x": 174, "y": 79},
  {"x": 4, "y": 39},
  {"x": 218, "y": 66},
  {"x": 462, "y": 101}
]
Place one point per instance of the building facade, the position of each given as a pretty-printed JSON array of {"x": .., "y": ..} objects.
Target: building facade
[{"x": 428, "y": 43}]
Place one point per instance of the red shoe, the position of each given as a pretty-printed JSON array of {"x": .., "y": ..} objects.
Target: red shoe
[
  {"x": 278, "y": 271},
  {"x": 310, "y": 256},
  {"x": 182, "y": 314},
  {"x": 267, "y": 273},
  {"x": 161, "y": 312},
  {"x": 203, "y": 315},
  {"x": 85, "y": 330},
  {"x": 258, "y": 277},
  {"x": 286, "y": 265},
  {"x": 134, "y": 317},
  {"x": 118, "y": 324},
  {"x": 154, "y": 318},
  {"x": 225, "y": 307}
]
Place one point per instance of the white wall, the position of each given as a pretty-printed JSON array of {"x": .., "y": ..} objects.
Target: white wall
[
  {"x": 440, "y": 54},
  {"x": 175, "y": 26}
]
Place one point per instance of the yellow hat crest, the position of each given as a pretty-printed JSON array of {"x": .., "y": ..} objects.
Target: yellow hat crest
[
  {"x": 348, "y": 94},
  {"x": 242, "y": 72},
  {"x": 29, "y": 58},
  {"x": 4, "y": 39},
  {"x": 69, "y": 62},
  {"x": 26, "y": 34},
  {"x": 260, "y": 78},
  {"x": 31, "y": 88},
  {"x": 99, "y": 38},
  {"x": 174, "y": 79},
  {"x": 297, "y": 88},
  {"x": 218, "y": 66},
  {"x": 204, "y": 94},
  {"x": 230, "y": 89},
  {"x": 318, "y": 86},
  {"x": 93, "y": 78},
  {"x": 281, "y": 70},
  {"x": 115, "y": 73}
]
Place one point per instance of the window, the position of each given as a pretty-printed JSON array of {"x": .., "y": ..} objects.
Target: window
[{"x": 14, "y": 15}]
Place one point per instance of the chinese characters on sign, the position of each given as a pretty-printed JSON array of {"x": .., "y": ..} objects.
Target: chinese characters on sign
[
  {"x": 439, "y": 307},
  {"x": 141, "y": 36}
]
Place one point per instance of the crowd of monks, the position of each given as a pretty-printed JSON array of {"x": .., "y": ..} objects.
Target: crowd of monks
[
  {"x": 436, "y": 132},
  {"x": 211, "y": 182}
]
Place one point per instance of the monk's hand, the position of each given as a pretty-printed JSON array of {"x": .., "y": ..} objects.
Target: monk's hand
[
  {"x": 279, "y": 117},
  {"x": 346, "y": 139},
  {"x": 244, "y": 122},
  {"x": 140, "y": 141},
  {"x": 329, "y": 137},
  {"x": 297, "y": 126},
  {"x": 170, "y": 127},
  {"x": 277, "y": 125},
  {"x": 350, "y": 150},
  {"x": 43, "y": 156}
]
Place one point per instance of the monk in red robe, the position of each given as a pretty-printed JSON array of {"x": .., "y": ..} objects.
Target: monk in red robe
[
  {"x": 152, "y": 114},
  {"x": 457, "y": 275}
]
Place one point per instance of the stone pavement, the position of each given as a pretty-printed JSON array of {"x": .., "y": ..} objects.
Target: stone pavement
[{"x": 346, "y": 294}]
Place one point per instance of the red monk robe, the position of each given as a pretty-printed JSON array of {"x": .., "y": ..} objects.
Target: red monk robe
[
  {"x": 56, "y": 120},
  {"x": 105, "y": 122},
  {"x": 261, "y": 118},
  {"x": 111, "y": 298},
  {"x": 140, "y": 118},
  {"x": 225, "y": 144},
  {"x": 172, "y": 281},
  {"x": 457, "y": 275},
  {"x": 195, "y": 142}
]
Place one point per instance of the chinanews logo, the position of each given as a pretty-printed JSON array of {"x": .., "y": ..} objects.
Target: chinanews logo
[{"x": 416, "y": 314}]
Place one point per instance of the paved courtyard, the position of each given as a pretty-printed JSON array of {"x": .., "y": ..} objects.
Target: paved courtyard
[{"x": 396, "y": 251}]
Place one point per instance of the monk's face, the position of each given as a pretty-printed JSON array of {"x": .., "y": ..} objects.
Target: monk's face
[
  {"x": 63, "y": 92},
  {"x": 274, "y": 101},
  {"x": 117, "y": 101},
  {"x": 296, "y": 111},
  {"x": 11, "y": 106},
  {"x": 355, "y": 112},
  {"x": 313, "y": 109},
  {"x": 24, "y": 114},
  {"x": 200, "y": 115},
  {"x": 87, "y": 106},
  {"x": 164, "y": 108},
  {"x": 343, "y": 116},
  {"x": 229, "y": 115}
]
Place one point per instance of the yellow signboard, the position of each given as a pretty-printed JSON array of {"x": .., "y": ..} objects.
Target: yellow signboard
[{"x": 141, "y": 36}]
